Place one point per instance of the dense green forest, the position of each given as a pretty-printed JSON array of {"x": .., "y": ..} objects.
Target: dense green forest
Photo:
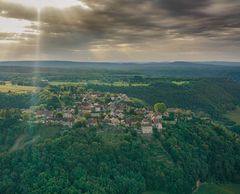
[
  {"x": 88, "y": 161},
  {"x": 15, "y": 100},
  {"x": 10, "y": 127}
]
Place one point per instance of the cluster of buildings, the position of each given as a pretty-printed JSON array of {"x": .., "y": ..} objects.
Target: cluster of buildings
[{"x": 102, "y": 109}]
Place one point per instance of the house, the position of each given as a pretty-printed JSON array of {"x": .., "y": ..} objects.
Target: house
[
  {"x": 123, "y": 97},
  {"x": 112, "y": 98},
  {"x": 146, "y": 126},
  {"x": 97, "y": 108},
  {"x": 44, "y": 114},
  {"x": 107, "y": 120},
  {"x": 67, "y": 115},
  {"x": 140, "y": 111},
  {"x": 156, "y": 118},
  {"x": 93, "y": 121},
  {"x": 120, "y": 115},
  {"x": 86, "y": 109},
  {"x": 115, "y": 121},
  {"x": 111, "y": 106},
  {"x": 68, "y": 124},
  {"x": 85, "y": 100},
  {"x": 159, "y": 126}
]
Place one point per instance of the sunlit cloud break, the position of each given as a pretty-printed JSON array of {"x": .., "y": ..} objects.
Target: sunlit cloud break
[{"x": 39, "y": 4}]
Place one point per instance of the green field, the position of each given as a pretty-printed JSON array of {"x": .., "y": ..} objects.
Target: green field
[
  {"x": 218, "y": 189},
  {"x": 234, "y": 115},
  {"x": 181, "y": 83},
  {"x": 100, "y": 83},
  {"x": 8, "y": 87}
]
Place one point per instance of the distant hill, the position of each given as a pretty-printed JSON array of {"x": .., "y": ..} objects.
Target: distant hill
[
  {"x": 224, "y": 63},
  {"x": 162, "y": 69},
  {"x": 67, "y": 64}
]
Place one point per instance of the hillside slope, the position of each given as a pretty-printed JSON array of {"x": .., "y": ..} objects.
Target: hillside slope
[
  {"x": 212, "y": 96},
  {"x": 87, "y": 161}
]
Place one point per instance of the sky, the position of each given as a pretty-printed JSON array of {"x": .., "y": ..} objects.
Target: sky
[{"x": 120, "y": 30}]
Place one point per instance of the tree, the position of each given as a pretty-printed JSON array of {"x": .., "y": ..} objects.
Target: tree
[
  {"x": 86, "y": 115},
  {"x": 59, "y": 115},
  {"x": 81, "y": 123},
  {"x": 53, "y": 102},
  {"x": 160, "y": 107}
]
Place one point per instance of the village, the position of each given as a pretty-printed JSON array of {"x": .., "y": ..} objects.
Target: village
[{"x": 96, "y": 109}]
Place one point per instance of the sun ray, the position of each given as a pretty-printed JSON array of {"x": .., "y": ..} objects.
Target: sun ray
[
  {"x": 36, "y": 67},
  {"x": 38, "y": 35}
]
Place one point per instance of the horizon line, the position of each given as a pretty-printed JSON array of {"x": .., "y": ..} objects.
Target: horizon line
[{"x": 76, "y": 61}]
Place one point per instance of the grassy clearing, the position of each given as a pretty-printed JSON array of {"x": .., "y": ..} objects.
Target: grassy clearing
[
  {"x": 61, "y": 83},
  {"x": 100, "y": 83},
  {"x": 8, "y": 87},
  {"x": 218, "y": 189},
  {"x": 234, "y": 115},
  {"x": 181, "y": 83}
]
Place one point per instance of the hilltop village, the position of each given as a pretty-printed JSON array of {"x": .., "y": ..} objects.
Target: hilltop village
[{"x": 88, "y": 108}]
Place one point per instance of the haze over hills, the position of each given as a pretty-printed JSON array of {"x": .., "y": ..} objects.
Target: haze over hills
[
  {"x": 67, "y": 64},
  {"x": 179, "y": 69}
]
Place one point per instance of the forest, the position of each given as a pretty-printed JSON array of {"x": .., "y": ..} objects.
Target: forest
[
  {"x": 37, "y": 158},
  {"x": 82, "y": 160}
]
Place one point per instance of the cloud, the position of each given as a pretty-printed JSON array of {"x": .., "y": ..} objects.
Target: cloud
[
  {"x": 17, "y": 11},
  {"x": 118, "y": 27},
  {"x": 183, "y": 7}
]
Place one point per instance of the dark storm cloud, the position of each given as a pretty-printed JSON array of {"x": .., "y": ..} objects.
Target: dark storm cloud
[
  {"x": 183, "y": 7},
  {"x": 139, "y": 20},
  {"x": 133, "y": 22}
]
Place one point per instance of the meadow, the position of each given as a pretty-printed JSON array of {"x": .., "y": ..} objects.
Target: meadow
[
  {"x": 10, "y": 88},
  {"x": 181, "y": 83},
  {"x": 234, "y": 115},
  {"x": 98, "y": 83}
]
